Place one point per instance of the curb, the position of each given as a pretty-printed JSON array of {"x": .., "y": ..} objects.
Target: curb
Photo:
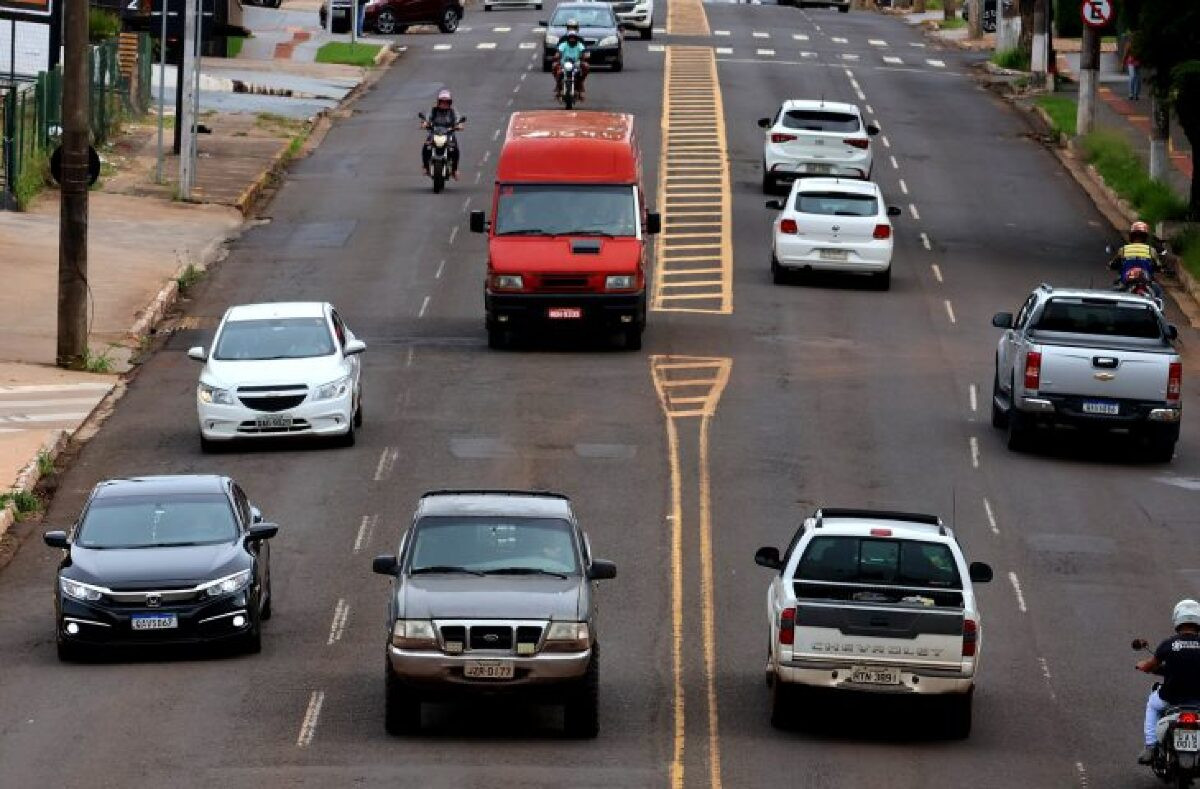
[
  {"x": 250, "y": 195},
  {"x": 29, "y": 476}
]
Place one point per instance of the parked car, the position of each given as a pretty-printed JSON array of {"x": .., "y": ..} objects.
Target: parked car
[
  {"x": 285, "y": 369},
  {"x": 157, "y": 560},
  {"x": 598, "y": 28},
  {"x": 841, "y": 5},
  {"x": 836, "y": 225},
  {"x": 341, "y": 15},
  {"x": 389, "y": 17},
  {"x": 635, "y": 15},
  {"x": 1094, "y": 359},
  {"x": 492, "y": 595},
  {"x": 489, "y": 5},
  {"x": 989, "y": 14},
  {"x": 816, "y": 137},
  {"x": 868, "y": 600}
]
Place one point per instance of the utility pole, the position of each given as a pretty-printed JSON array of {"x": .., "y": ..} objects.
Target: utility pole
[
  {"x": 1039, "y": 62},
  {"x": 975, "y": 19},
  {"x": 1089, "y": 72},
  {"x": 1160, "y": 131},
  {"x": 73, "y": 212},
  {"x": 187, "y": 105}
]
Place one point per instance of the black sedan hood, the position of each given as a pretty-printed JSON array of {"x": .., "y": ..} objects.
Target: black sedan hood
[{"x": 145, "y": 568}]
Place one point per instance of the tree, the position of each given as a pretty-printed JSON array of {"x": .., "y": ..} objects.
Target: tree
[
  {"x": 1025, "y": 40},
  {"x": 1167, "y": 42}
]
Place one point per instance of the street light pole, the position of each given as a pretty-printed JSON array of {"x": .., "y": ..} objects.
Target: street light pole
[
  {"x": 187, "y": 106},
  {"x": 73, "y": 212}
]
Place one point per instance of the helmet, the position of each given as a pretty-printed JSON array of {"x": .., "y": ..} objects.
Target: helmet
[
  {"x": 1139, "y": 227},
  {"x": 444, "y": 95},
  {"x": 1187, "y": 612},
  {"x": 572, "y": 26}
]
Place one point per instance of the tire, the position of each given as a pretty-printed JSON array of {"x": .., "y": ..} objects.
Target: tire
[
  {"x": 358, "y": 415},
  {"x": 781, "y": 712},
  {"x": 882, "y": 280},
  {"x": 401, "y": 709},
  {"x": 386, "y": 23},
  {"x": 210, "y": 447},
  {"x": 439, "y": 181},
  {"x": 449, "y": 20},
  {"x": 999, "y": 415},
  {"x": 348, "y": 438},
  {"x": 779, "y": 274},
  {"x": 957, "y": 721},
  {"x": 569, "y": 100},
  {"x": 1018, "y": 429},
  {"x": 1160, "y": 446},
  {"x": 618, "y": 64},
  {"x": 844, "y": 9},
  {"x": 267, "y": 611},
  {"x": 68, "y": 652},
  {"x": 251, "y": 643},
  {"x": 581, "y": 713},
  {"x": 497, "y": 338},
  {"x": 647, "y": 33},
  {"x": 631, "y": 339},
  {"x": 547, "y": 66},
  {"x": 768, "y": 183}
]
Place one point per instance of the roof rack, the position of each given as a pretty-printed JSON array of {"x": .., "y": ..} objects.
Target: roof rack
[
  {"x": 885, "y": 515},
  {"x": 494, "y": 492},
  {"x": 1046, "y": 286}
]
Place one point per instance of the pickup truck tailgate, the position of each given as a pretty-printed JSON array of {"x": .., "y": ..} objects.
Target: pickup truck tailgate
[
  {"x": 925, "y": 636},
  {"x": 1096, "y": 372}
]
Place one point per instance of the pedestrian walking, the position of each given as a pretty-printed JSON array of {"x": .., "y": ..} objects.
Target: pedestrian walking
[{"x": 1133, "y": 67}]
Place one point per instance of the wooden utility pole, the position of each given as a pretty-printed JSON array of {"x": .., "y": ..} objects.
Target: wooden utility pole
[
  {"x": 1089, "y": 73},
  {"x": 975, "y": 19},
  {"x": 1040, "y": 54},
  {"x": 73, "y": 215}
]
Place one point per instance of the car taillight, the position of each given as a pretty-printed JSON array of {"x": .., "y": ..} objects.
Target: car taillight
[
  {"x": 856, "y": 143},
  {"x": 788, "y": 226},
  {"x": 882, "y": 231},
  {"x": 787, "y": 626},
  {"x": 1189, "y": 719},
  {"x": 779, "y": 137},
  {"x": 1033, "y": 369},
  {"x": 1175, "y": 382},
  {"x": 970, "y": 636}
]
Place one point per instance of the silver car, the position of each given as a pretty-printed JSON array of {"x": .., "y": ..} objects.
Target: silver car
[{"x": 493, "y": 594}]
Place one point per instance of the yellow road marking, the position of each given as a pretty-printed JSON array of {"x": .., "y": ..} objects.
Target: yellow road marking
[{"x": 687, "y": 18}]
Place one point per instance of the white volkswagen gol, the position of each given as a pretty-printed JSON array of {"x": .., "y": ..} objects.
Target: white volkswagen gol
[
  {"x": 831, "y": 224},
  {"x": 284, "y": 369},
  {"x": 816, "y": 137}
]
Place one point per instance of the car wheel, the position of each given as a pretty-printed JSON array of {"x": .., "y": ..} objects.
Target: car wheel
[
  {"x": 358, "y": 415},
  {"x": 1018, "y": 428},
  {"x": 210, "y": 447},
  {"x": 252, "y": 641},
  {"x": 581, "y": 715},
  {"x": 449, "y": 21},
  {"x": 957, "y": 721},
  {"x": 781, "y": 711},
  {"x": 68, "y": 652},
  {"x": 385, "y": 23},
  {"x": 401, "y": 709},
  {"x": 631, "y": 339},
  {"x": 779, "y": 274},
  {"x": 348, "y": 438},
  {"x": 1160, "y": 445},
  {"x": 497, "y": 338},
  {"x": 882, "y": 280},
  {"x": 618, "y": 64},
  {"x": 647, "y": 33},
  {"x": 768, "y": 183},
  {"x": 999, "y": 415},
  {"x": 844, "y": 9}
]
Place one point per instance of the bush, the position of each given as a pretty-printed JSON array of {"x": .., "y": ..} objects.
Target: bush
[
  {"x": 1061, "y": 110},
  {"x": 1187, "y": 246},
  {"x": 34, "y": 172},
  {"x": 1013, "y": 59},
  {"x": 1114, "y": 158},
  {"x": 102, "y": 25}
]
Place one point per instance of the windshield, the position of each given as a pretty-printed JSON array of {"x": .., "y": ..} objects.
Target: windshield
[
  {"x": 490, "y": 544},
  {"x": 836, "y": 204},
  {"x": 820, "y": 120},
  {"x": 586, "y": 17},
  {"x": 857, "y": 560},
  {"x": 1100, "y": 316},
  {"x": 274, "y": 338},
  {"x": 561, "y": 209},
  {"x": 146, "y": 522}
]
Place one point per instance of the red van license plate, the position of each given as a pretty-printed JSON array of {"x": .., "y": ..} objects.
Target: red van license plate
[{"x": 568, "y": 313}]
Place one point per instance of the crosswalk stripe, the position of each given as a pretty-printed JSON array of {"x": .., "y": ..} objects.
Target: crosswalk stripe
[
  {"x": 849, "y": 56},
  {"x": 760, "y": 34},
  {"x": 486, "y": 45},
  {"x": 52, "y": 403},
  {"x": 765, "y": 52},
  {"x": 875, "y": 42},
  {"x": 800, "y": 36},
  {"x": 502, "y": 29},
  {"x": 19, "y": 419},
  {"x": 441, "y": 47},
  {"x": 935, "y": 63},
  {"x": 837, "y": 40},
  {"x": 77, "y": 387},
  {"x": 892, "y": 59}
]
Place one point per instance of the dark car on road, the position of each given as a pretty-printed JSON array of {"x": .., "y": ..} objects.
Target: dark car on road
[
  {"x": 389, "y": 17},
  {"x": 598, "y": 27},
  {"x": 167, "y": 559}
]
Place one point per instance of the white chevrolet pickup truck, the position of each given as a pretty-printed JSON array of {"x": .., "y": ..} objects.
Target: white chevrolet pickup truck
[
  {"x": 1089, "y": 359},
  {"x": 873, "y": 601}
]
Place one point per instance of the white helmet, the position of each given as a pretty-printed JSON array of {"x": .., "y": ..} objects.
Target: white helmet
[{"x": 1187, "y": 612}]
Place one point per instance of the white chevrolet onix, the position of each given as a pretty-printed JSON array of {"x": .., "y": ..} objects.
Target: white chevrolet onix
[
  {"x": 809, "y": 137},
  {"x": 834, "y": 225},
  {"x": 276, "y": 370}
]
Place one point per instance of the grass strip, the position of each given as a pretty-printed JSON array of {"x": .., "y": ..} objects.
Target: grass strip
[
  {"x": 1013, "y": 59},
  {"x": 347, "y": 54},
  {"x": 1115, "y": 160},
  {"x": 1061, "y": 111}
]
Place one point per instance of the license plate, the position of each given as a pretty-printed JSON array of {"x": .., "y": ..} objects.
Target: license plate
[
  {"x": 488, "y": 669},
  {"x": 1095, "y": 407},
  {"x": 155, "y": 622},
  {"x": 819, "y": 168},
  {"x": 565, "y": 313},
  {"x": 274, "y": 421},
  {"x": 866, "y": 675},
  {"x": 1187, "y": 739},
  {"x": 833, "y": 254}
]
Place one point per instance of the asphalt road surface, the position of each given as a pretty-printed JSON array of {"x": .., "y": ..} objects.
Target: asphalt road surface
[{"x": 822, "y": 393}]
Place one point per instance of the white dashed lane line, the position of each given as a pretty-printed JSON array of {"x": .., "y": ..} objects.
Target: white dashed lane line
[
  {"x": 875, "y": 42},
  {"x": 895, "y": 164},
  {"x": 893, "y": 60},
  {"x": 441, "y": 47},
  {"x": 1016, "y": 585},
  {"x": 486, "y": 45},
  {"x": 799, "y": 37},
  {"x": 973, "y": 444},
  {"x": 925, "y": 242},
  {"x": 424, "y": 307},
  {"x": 837, "y": 40},
  {"x": 720, "y": 32},
  {"x": 761, "y": 34},
  {"x": 937, "y": 272},
  {"x": 849, "y": 56},
  {"x": 765, "y": 53},
  {"x": 935, "y": 63},
  {"x": 366, "y": 528},
  {"x": 453, "y": 233},
  {"x": 724, "y": 51},
  {"x": 950, "y": 315},
  {"x": 440, "y": 269},
  {"x": 308, "y": 726},
  {"x": 341, "y": 613},
  {"x": 903, "y": 186},
  {"x": 991, "y": 516},
  {"x": 912, "y": 209},
  {"x": 387, "y": 459},
  {"x": 526, "y": 45},
  {"x": 408, "y": 357},
  {"x": 973, "y": 397}
]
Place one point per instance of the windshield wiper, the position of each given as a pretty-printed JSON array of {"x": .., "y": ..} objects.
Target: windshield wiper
[
  {"x": 603, "y": 233},
  {"x": 527, "y": 231},
  {"x": 524, "y": 571},
  {"x": 444, "y": 568}
]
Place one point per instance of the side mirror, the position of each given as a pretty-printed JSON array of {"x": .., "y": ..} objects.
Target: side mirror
[
  {"x": 385, "y": 565},
  {"x": 980, "y": 573},
  {"x": 872, "y": 129},
  {"x": 1002, "y": 320},
  {"x": 1172, "y": 332},
  {"x": 56, "y": 539},
  {"x": 1138, "y": 644},
  {"x": 543, "y": 23},
  {"x": 768, "y": 557},
  {"x": 256, "y": 515},
  {"x": 354, "y": 347},
  {"x": 462, "y": 119},
  {"x": 262, "y": 531},
  {"x": 764, "y": 123},
  {"x": 1108, "y": 249},
  {"x": 478, "y": 222},
  {"x": 653, "y": 223},
  {"x": 197, "y": 352},
  {"x": 775, "y": 204},
  {"x": 600, "y": 570},
  {"x": 894, "y": 210}
]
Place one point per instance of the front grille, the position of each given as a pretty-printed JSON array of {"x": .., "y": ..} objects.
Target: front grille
[
  {"x": 272, "y": 398},
  {"x": 139, "y": 598},
  {"x": 454, "y": 634},
  {"x": 591, "y": 42},
  {"x": 529, "y": 634},
  {"x": 492, "y": 637},
  {"x": 622, "y": 8},
  {"x": 564, "y": 281}
]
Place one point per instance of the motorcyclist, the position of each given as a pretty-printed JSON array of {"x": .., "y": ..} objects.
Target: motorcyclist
[
  {"x": 1137, "y": 254},
  {"x": 444, "y": 115},
  {"x": 571, "y": 48},
  {"x": 1177, "y": 659}
]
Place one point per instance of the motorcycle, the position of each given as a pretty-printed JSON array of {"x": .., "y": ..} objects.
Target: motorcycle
[
  {"x": 1139, "y": 281},
  {"x": 570, "y": 76},
  {"x": 1176, "y": 757},
  {"x": 440, "y": 143}
]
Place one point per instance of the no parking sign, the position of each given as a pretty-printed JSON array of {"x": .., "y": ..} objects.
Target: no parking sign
[{"x": 1097, "y": 13}]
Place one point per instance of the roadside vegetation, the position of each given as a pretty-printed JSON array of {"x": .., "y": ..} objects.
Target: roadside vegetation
[
  {"x": 33, "y": 178},
  {"x": 233, "y": 46},
  {"x": 1013, "y": 59},
  {"x": 1061, "y": 110},
  {"x": 24, "y": 503},
  {"x": 952, "y": 24},
  {"x": 102, "y": 25},
  {"x": 348, "y": 54},
  {"x": 1119, "y": 166}
]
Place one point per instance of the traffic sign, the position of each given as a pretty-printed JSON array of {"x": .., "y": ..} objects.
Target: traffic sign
[
  {"x": 1097, "y": 13},
  {"x": 93, "y": 165}
]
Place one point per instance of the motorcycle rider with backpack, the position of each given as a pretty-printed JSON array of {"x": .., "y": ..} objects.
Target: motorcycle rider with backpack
[
  {"x": 442, "y": 115},
  {"x": 1177, "y": 660},
  {"x": 1137, "y": 254}
]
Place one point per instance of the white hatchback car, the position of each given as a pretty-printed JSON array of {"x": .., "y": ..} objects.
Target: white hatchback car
[
  {"x": 821, "y": 138},
  {"x": 836, "y": 225},
  {"x": 280, "y": 369}
]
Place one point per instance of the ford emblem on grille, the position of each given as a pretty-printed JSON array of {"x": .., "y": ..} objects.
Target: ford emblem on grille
[
  {"x": 491, "y": 638},
  {"x": 153, "y": 600}
]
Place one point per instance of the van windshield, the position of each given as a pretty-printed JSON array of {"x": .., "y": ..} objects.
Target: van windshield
[{"x": 566, "y": 210}]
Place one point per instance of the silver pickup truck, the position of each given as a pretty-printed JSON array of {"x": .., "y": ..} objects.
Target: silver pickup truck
[{"x": 1089, "y": 359}]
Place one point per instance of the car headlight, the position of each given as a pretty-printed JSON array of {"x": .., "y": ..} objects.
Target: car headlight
[
  {"x": 212, "y": 394},
  {"x": 551, "y": 40},
  {"x": 333, "y": 389},
  {"x": 80, "y": 591},
  {"x": 608, "y": 41},
  {"x": 227, "y": 585},
  {"x": 507, "y": 282},
  {"x": 568, "y": 637},
  {"x": 620, "y": 282},
  {"x": 413, "y": 634}
]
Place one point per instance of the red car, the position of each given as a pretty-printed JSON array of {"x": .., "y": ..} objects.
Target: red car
[{"x": 395, "y": 16}]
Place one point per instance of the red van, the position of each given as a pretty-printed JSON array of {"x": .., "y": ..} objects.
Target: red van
[{"x": 567, "y": 245}]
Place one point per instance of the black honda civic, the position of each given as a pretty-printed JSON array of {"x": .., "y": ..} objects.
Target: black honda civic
[{"x": 165, "y": 559}]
